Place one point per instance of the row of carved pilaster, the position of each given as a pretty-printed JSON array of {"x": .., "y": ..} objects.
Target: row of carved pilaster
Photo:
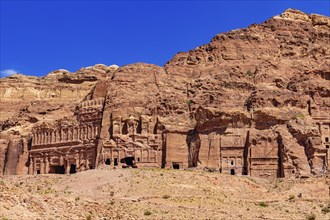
[
  {"x": 89, "y": 131},
  {"x": 81, "y": 157},
  {"x": 94, "y": 102}
]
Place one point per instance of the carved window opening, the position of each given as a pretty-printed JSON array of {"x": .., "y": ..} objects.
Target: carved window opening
[
  {"x": 73, "y": 168},
  {"x": 107, "y": 161},
  {"x": 115, "y": 162},
  {"x": 327, "y": 146},
  {"x": 232, "y": 172},
  {"x": 38, "y": 171},
  {"x": 327, "y": 139},
  {"x": 293, "y": 171},
  {"x": 138, "y": 159},
  {"x": 176, "y": 166},
  {"x": 232, "y": 162}
]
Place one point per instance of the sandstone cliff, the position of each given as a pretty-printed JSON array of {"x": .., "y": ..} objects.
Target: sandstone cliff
[{"x": 253, "y": 101}]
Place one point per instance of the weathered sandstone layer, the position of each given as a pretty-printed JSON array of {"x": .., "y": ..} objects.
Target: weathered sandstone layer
[{"x": 253, "y": 101}]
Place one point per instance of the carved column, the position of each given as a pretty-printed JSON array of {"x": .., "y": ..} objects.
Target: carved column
[
  {"x": 31, "y": 166},
  {"x": 58, "y": 136},
  {"x": 77, "y": 160},
  {"x": 34, "y": 166},
  {"x": 75, "y": 134},
  {"x": 42, "y": 165},
  {"x": 62, "y": 135},
  {"x": 67, "y": 167},
  {"x": 46, "y": 137},
  {"x": 40, "y": 137},
  {"x": 85, "y": 133},
  {"x": 66, "y": 134},
  {"x": 43, "y": 138},
  {"x": 53, "y": 137},
  {"x": 91, "y": 128},
  {"x": 120, "y": 126},
  {"x": 50, "y": 137},
  {"x": 134, "y": 127},
  {"x": 71, "y": 133},
  {"x": 46, "y": 164},
  {"x": 91, "y": 132},
  {"x": 81, "y": 133},
  {"x": 49, "y": 141},
  {"x": 87, "y": 162},
  {"x": 96, "y": 130},
  {"x": 61, "y": 160}
]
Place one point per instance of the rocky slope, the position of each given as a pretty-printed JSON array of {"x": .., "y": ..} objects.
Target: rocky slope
[
  {"x": 161, "y": 194},
  {"x": 267, "y": 84}
]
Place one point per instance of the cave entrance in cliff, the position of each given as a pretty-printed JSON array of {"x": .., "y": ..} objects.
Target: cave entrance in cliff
[
  {"x": 129, "y": 161},
  {"x": 115, "y": 162},
  {"x": 107, "y": 161},
  {"x": 232, "y": 171},
  {"x": 73, "y": 168},
  {"x": 176, "y": 166},
  {"x": 57, "y": 169}
]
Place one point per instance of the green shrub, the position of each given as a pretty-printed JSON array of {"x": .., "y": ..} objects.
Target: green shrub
[
  {"x": 147, "y": 212},
  {"x": 263, "y": 204},
  {"x": 89, "y": 217},
  {"x": 188, "y": 102},
  {"x": 311, "y": 216},
  {"x": 325, "y": 210},
  {"x": 249, "y": 73},
  {"x": 291, "y": 197},
  {"x": 166, "y": 196}
]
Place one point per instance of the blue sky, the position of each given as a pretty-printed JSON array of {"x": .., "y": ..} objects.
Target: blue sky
[{"x": 40, "y": 36}]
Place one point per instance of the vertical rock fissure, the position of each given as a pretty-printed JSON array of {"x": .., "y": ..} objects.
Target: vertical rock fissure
[
  {"x": 193, "y": 142},
  {"x": 98, "y": 142},
  {"x": 163, "y": 150},
  {"x": 246, "y": 154},
  {"x": 280, "y": 172}
]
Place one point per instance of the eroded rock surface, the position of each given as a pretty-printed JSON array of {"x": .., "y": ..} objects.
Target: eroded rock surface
[{"x": 253, "y": 101}]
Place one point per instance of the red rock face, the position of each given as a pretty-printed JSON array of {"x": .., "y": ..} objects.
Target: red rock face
[{"x": 253, "y": 101}]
